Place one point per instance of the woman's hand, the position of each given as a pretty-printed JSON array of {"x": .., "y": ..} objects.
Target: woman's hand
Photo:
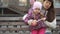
[
  {"x": 43, "y": 19},
  {"x": 34, "y": 23}
]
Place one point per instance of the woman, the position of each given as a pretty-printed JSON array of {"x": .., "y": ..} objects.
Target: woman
[{"x": 50, "y": 13}]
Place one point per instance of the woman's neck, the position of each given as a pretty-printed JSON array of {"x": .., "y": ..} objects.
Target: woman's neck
[{"x": 44, "y": 9}]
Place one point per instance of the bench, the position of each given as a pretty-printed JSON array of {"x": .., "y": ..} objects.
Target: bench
[{"x": 19, "y": 25}]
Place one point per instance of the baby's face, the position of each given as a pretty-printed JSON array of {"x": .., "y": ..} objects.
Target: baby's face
[{"x": 36, "y": 10}]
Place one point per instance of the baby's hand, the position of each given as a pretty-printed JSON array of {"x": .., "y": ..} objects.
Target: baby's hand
[{"x": 34, "y": 23}]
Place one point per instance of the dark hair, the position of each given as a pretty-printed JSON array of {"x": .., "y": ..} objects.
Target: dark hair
[
  {"x": 51, "y": 12},
  {"x": 35, "y": 0}
]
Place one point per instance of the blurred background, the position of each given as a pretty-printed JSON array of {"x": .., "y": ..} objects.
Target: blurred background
[{"x": 11, "y": 13}]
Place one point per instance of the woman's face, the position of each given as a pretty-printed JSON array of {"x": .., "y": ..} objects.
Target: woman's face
[{"x": 46, "y": 4}]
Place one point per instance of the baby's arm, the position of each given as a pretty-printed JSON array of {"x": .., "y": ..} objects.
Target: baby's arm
[
  {"x": 30, "y": 21},
  {"x": 27, "y": 19}
]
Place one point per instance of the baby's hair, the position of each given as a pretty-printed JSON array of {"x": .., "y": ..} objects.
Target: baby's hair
[{"x": 41, "y": 15}]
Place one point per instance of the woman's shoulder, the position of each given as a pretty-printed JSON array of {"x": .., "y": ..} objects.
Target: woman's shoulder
[
  {"x": 51, "y": 24},
  {"x": 54, "y": 21}
]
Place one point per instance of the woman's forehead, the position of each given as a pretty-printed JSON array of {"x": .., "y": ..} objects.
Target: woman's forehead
[{"x": 47, "y": 1}]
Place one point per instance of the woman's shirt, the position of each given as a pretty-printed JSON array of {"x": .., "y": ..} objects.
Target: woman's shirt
[{"x": 51, "y": 25}]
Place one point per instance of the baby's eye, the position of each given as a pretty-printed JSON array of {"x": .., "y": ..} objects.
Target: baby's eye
[{"x": 37, "y": 9}]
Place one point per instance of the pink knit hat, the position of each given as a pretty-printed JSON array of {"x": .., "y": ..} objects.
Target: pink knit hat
[{"x": 37, "y": 4}]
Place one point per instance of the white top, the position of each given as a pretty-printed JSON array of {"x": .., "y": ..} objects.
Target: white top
[{"x": 51, "y": 25}]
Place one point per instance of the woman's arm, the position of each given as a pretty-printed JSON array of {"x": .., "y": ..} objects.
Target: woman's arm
[{"x": 51, "y": 24}]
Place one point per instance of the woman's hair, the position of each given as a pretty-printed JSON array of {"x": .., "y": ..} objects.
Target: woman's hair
[{"x": 51, "y": 12}]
